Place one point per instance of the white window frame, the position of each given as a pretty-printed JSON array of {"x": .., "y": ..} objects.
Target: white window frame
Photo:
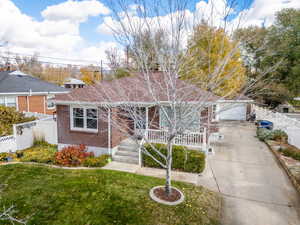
[
  {"x": 6, "y": 101},
  {"x": 84, "y": 129},
  {"x": 214, "y": 112},
  {"x": 48, "y": 98}
]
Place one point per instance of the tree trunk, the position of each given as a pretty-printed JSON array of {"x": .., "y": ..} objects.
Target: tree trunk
[{"x": 168, "y": 169}]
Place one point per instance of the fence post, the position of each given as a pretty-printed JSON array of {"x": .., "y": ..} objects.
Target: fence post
[{"x": 204, "y": 144}]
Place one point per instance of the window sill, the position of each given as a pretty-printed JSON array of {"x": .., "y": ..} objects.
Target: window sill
[{"x": 84, "y": 130}]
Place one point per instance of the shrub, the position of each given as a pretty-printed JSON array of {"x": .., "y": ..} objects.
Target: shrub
[
  {"x": 96, "y": 161},
  {"x": 5, "y": 155},
  {"x": 183, "y": 159},
  {"x": 40, "y": 154},
  {"x": 8, "y": 117},
  {"x": 263, "y": 134},
  {"x": 290, "y": 153},
  {"x": 43, "y": 143},
  {"x": 279, "y": 135},
  {"x": 120, "y": 73},
  {"x": 72, "y": 155}
]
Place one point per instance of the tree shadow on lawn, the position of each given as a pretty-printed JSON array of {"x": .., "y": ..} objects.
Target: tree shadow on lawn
[{"x": 91, "y": 197}]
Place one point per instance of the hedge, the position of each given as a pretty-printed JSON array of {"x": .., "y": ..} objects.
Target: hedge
[
  {"x": 96, "y": 161},
  {"x": 183, "y": 159}
]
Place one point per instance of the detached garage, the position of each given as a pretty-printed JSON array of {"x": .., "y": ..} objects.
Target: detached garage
[{"x": 233, "y": 109}]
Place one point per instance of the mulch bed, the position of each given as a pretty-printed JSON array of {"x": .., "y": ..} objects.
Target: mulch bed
[
  {"x": 290, "y": 165},
  {"x": 172, "y": 197}
]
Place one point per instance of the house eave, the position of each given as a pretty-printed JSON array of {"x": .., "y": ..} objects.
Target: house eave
[
  {"x": 34, "y": 93},
  {"x": 234, "y": 101},
  {"x": 114, "y": 104}
]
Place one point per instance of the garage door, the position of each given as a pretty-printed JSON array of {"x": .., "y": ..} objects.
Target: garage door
[{"x": 232, "y": 111}]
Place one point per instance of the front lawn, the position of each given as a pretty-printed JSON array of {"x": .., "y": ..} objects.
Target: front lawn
[{"x": 91, "y": 197}]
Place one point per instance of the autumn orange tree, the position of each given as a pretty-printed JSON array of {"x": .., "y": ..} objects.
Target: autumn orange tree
[
  {"x": 210, "y": 51},
  {"x": 90, "y": 74}
]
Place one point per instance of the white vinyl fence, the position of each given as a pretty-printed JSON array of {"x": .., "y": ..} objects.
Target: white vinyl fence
[
  {"x": 24, "y": 134},
  {"x": 282, "y": 122},
  {"x": 8, "y": 144}
]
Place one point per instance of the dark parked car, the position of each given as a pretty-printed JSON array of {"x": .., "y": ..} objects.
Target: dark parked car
[{"x": 264, "y": 124}]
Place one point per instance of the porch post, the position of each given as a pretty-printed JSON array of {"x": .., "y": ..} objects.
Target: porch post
[
  {"x": 147, "y": 120},
  {"x": 109, "y": 132},
  {"x": 204, "y": 139}
]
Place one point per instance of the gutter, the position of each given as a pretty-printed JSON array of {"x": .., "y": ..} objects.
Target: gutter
[
  {"x": 234, "y": 101},
  {"x": 34, "y": 93}
]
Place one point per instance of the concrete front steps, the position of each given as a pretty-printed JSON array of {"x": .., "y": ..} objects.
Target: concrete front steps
[{"x": 127, "y": 152}]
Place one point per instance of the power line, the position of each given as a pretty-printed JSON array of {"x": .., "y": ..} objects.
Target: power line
[
  {"x": 53, "y": 63},
  {"x": 50, "y": 57}
]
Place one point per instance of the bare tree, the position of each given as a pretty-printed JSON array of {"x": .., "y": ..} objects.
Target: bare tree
[
  {"x": 114, "y": 58},
  {"x": 7, "y": 214},
  {"x": 181, "y": 105}
]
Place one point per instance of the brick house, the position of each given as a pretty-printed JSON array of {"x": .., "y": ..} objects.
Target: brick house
[
  {"x": 87, "y": 115},
  {"x": 27, "y": 93}
]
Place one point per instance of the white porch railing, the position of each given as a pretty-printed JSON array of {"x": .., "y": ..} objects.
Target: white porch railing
[{"x": 195, "y": 139}]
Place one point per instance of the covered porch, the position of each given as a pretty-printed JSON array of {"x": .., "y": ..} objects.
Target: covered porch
[{"x": 150, "y": 125}]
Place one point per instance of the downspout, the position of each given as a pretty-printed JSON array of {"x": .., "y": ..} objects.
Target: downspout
[{"x": 27, "y": 98}]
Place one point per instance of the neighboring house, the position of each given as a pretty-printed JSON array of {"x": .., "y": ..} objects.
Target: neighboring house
[
  {"x": 27, "y": 93},
  {"x": 73, "y": 83},
  {"x": 80, "y": 122},
  {"x": 285, "y": 108}
]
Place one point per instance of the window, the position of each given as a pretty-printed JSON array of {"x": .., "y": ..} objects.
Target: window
[
  {"x": 2, "y": 100},
  {"x": 285, "y": 110},
  {"x": 214, "y": 113},
  {"x": 50, "y": 104},
  {"x": 84, "y": 119},
  {"x": 9, "y": 101},
  {"x": 190, "y": 121}
]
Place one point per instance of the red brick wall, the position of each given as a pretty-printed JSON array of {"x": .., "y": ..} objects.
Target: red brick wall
[
  {"x": 153, "y": 117},
  {"x": 67, "y": 136},
  {"x": 206, "y": 120},
  {"x": 116, "y": 134},
  {"x": 37, "y": 103},
  {"x": 22, "y": 103}
]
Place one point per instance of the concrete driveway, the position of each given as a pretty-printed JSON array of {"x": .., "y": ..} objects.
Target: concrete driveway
[{"x": 256, "y": 190}]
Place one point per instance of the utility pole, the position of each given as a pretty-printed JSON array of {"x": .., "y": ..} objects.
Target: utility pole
[{"x": 101, "y": 70}]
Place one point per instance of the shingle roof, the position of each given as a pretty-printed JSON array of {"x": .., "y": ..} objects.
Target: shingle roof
[
  {"x": 134, "y": 89},
  {"x": 21, "y": 83}
]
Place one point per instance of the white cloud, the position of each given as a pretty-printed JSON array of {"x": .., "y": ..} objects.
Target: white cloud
[
  {"x": 212, "y": 10},
  {"x": 76, "y": 11},
  {"x": 263, "y": 11},
  {"x": 56, "y": 36}
]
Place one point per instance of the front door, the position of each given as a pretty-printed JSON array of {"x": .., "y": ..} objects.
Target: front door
[{"x": 140, "y": 118}]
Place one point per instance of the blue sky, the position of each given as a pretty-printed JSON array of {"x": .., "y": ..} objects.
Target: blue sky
[
  {"x": 76, "y": 29},
  {"x": 87, "y": 29}
]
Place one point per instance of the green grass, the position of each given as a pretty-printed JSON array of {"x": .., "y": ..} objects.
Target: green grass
[{"x": 92, "y": 197}]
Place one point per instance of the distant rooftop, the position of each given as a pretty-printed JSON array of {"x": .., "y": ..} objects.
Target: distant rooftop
[
  {"x": 73, "y": 81},
  {"x": 18, "y": 72},
  {"x": 19, "y": 82}
]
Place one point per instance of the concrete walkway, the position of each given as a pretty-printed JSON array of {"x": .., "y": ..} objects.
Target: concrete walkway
[
  {"x": 256, "y": 190},
  {"x": 160, "y": 173}
]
